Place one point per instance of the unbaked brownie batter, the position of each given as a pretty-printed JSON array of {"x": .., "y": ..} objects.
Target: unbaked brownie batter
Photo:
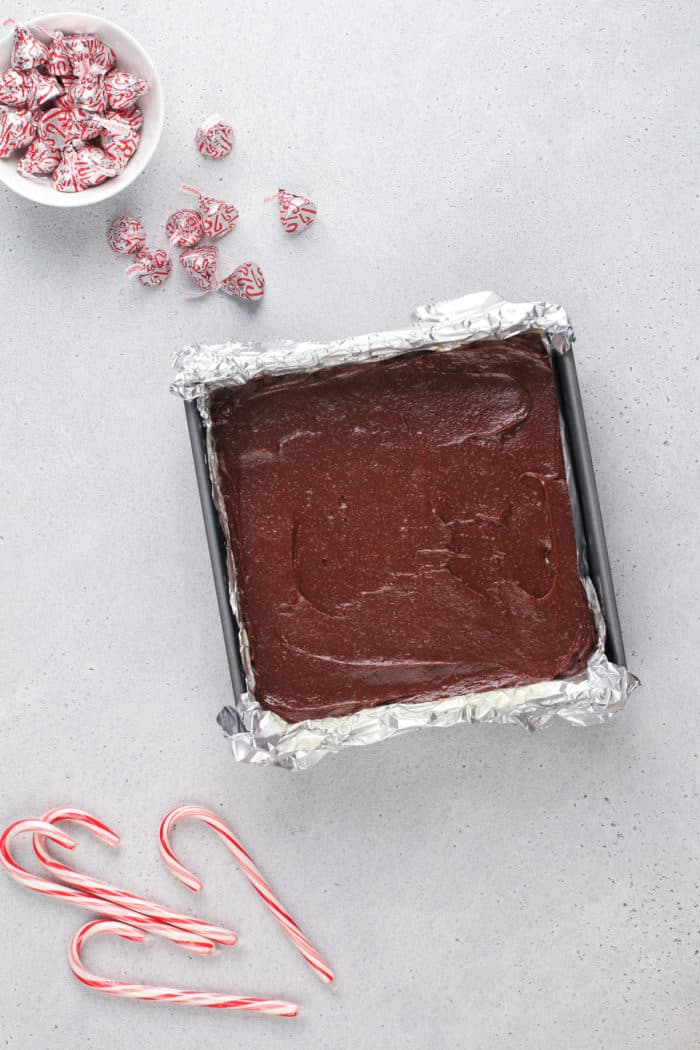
[{"x": 402, "y": 530}]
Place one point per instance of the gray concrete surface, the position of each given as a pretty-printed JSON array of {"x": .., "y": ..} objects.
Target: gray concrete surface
[{"x": 478, "y": 888}]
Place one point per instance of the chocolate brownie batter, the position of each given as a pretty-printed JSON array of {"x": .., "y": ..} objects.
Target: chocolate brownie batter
[{"x": 402, "y": 531}]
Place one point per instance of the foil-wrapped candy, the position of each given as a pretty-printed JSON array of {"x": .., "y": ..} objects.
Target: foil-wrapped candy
[
  {"x": 296, "y": 212},
  {"x": 200, "y": 264},
  {"x": 18, "y": 128},
  {"x": 27, "y": 51},
  {"x": 246, "y": 282},
  {"x": 126, "y": 236},
  {"x": 218, "y": 217},
  {"x": 152, "y": 267},
  {"x": 81, "y": 168},
  {"x": 41, "y": 158},
  {"x": 214, "y": 137},
  {"x": 184, "y": 228}
]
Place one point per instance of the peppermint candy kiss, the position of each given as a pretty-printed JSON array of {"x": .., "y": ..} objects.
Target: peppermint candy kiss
[
  {"x": 218, "y": 217},
  {"x": 296, "y": 212},
  {"x": 123, "y": 89},
  {"x": 152, "y": 267},
  {"x": 58, "y": 62},
  {"x": 200, "y": 263},
  {"x": 81, "y": 168},
  {"x": 119, "y": 141},
  {"x": 17, "y": 129},
  {"x": 214, "y": 137},
  {"x": 27, "y": 51},
  {"x": 61, "y": 127},
  {"x": 126, "y": 236},
  {"x": 32, "y": 88},
  {"x": 246, "y": 282},
  {"x": 184, "y": 228},
  {"x": 40, "y": 159}
]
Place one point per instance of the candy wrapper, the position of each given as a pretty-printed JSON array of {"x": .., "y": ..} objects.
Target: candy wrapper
[
  {"x": 218, "y": 217},
  {"x": 86, "y": 50},
  {"x": 214, "y": 137},
  {"x": 40, "y": 159},
  {"x": 27, "y": 89},
  {"x": 58, "y": 61},
  {"x": 588, "y": 698},
  {"x": 126, "y": 236},
  {"x": 27, "y": 51},
  {"x": 89, "y": 92},
  {"x": 184, "y": 228},
  {"x": 18, "y": 127},
  {"x": 200, "y": 264},
  {"x": 246, "y": 282},
  {"x": 132, "y": 116},
  {"x": 123, "y": 89},
  {"x": 79, "y": 169},
  {"x": 296, "y": 212},
  {"x": 119, "y": 141},
  {"x": 152, "y": 267}
]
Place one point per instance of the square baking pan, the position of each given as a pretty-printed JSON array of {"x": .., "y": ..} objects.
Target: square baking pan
[{"x": 595, "y": 548}]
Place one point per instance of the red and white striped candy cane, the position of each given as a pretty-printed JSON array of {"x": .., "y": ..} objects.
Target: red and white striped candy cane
[
  {"x": 255, "y": 877},
  {"x": 190, "y": 941},
  {"x": 217, "y": 934},
  {"x": 211, "y": 1000}
]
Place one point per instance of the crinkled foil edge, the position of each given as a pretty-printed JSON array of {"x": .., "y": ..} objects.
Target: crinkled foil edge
[{"x": 260, "y": 737}]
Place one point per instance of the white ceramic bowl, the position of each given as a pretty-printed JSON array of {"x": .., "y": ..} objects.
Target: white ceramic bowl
[{"x": 130, "y": 56}]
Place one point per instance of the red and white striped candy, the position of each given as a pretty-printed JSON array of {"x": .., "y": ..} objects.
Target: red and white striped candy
[
  {"x": 43, "y": 89},
  {"x": 212, "y": 1000},
  {"x": 184, "y": 228},
  {"x": 79, "y": 169},
  {"x": 88, "y": 47},
  {"x": 123, "y": 89},
  {"x": 18, "y": 128},
  {"x": 152, "y": 267},
  {"x": 189, "y": 941},
  {"x": 126, "y": 236},
  {"x": 107, "y": 892},
  {"x": 246, "y": 282},
  {"x": 61, "y": 126},
  {"x": 27, "y": 51},
  {"x": 131, "y": 116},
  {"x": 58, "y": 63},
  {"x": 218, "y": 217},
  {"x": 119, "y": 141},
  {"x": 200, "y": 263},
  {"x": 66, "y": 100},
  {"x": 89, "y": 92},
  {"x": 40, "y": 159},
  {"x": 254, "y": 876},
  {"x": 214, "y": 137},
  {"x": 296, "y": 212},
  {"x": 14, "y": 88}
]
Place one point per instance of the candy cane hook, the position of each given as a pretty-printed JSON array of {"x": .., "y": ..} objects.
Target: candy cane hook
[
  {"x": 217, "y": 934},
  {"x": 256, "y": 879},
  {"x": 212, "y": 1000},
  {"x": 84, "y": 900}
]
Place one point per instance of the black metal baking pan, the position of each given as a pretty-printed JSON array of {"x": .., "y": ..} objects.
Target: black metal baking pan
[{"x": 564, "y": 368}]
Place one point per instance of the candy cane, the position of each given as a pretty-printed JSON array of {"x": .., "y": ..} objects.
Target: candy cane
[
  {"x": 255, "y": 877},
  {"x": 190, "y": 941},
  {"x": 212, "y": 1000},
  {"x": 218, "y": 934}
]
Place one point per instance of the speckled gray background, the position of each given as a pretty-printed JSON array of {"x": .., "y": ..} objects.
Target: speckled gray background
[{"x": 479, "y": 888}]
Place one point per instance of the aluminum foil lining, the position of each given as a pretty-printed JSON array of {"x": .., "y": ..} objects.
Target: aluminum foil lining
[
  {"x": 261, "y": 737},
  {"x": 483, "y": 315}
]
